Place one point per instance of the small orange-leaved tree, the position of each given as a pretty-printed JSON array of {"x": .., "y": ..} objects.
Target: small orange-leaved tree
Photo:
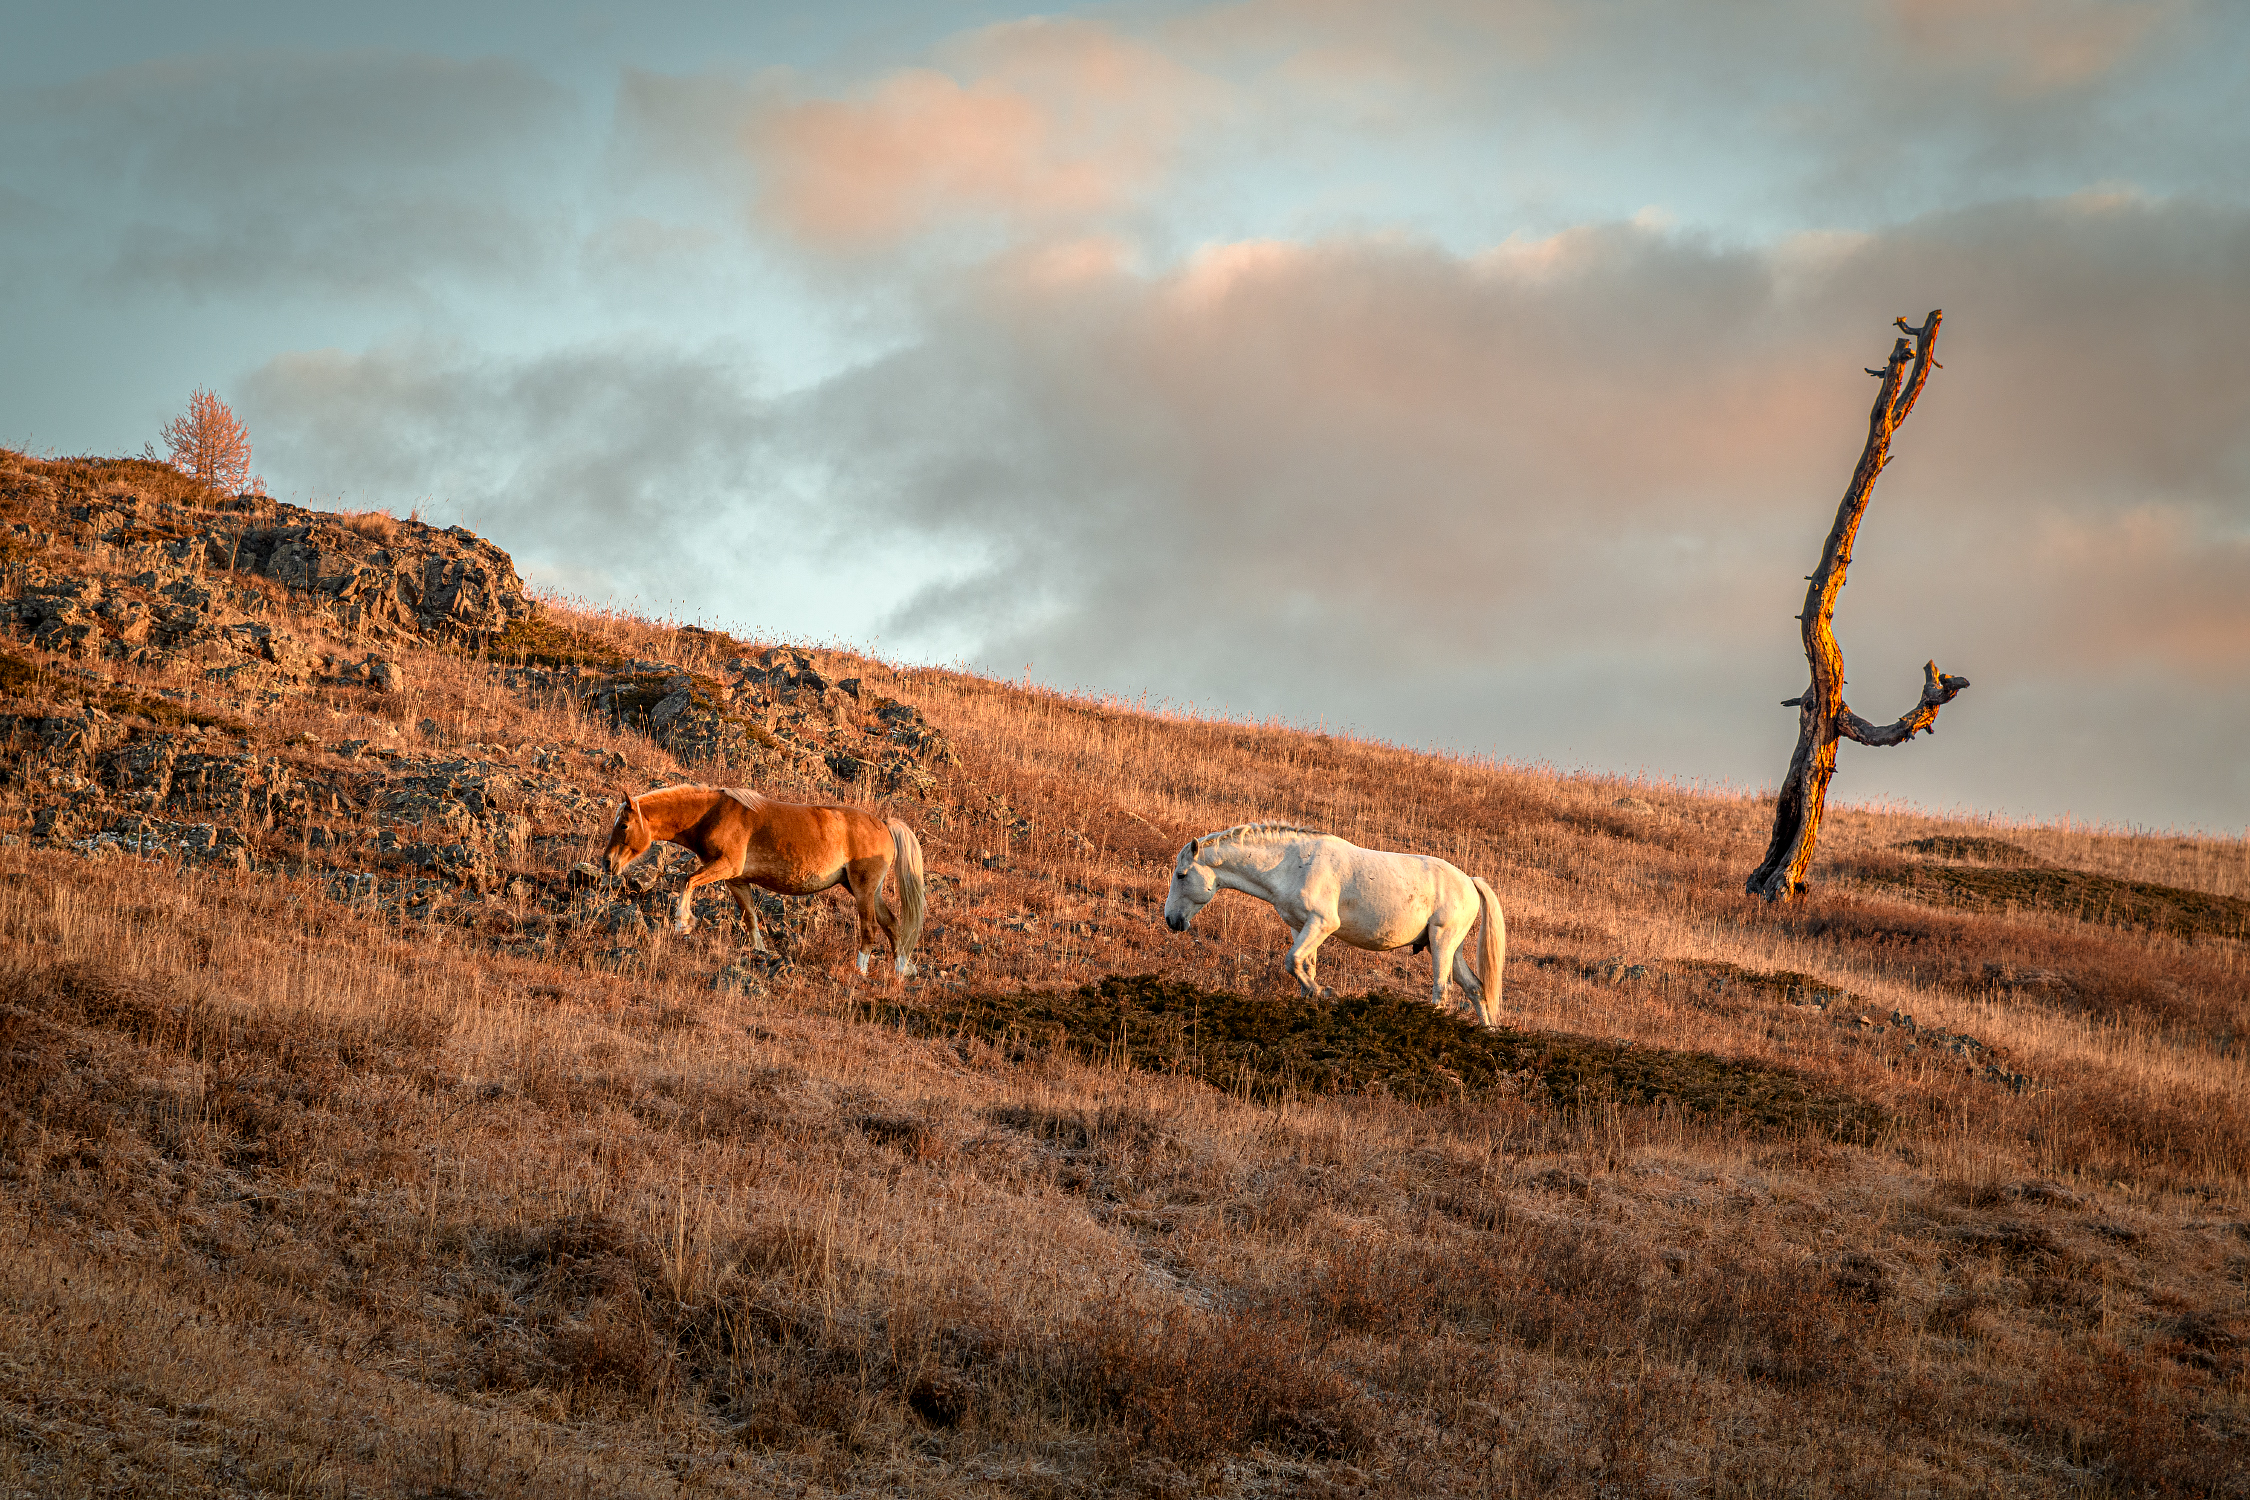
[{"x": 208, "y": 443}]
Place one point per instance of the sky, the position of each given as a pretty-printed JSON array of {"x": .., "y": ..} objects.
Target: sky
[{"x": 1481, "y": 376}]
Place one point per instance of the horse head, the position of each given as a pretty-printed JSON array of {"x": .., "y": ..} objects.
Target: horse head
[
  {"x": 629, "y": 836},
  {"x": 1193, "y": 884}
]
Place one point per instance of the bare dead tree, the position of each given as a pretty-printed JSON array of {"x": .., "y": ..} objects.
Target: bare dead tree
[
  {"x": 209, "y": 443},
  {"x": 1822, "y": 716}
]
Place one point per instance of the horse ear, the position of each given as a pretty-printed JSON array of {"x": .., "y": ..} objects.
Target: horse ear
[{"x": 1193, "y": 846}]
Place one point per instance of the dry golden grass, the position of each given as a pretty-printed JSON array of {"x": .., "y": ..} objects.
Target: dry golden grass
[
  {"x": 302, "y": 1197},
  {"x": 376, "y": 525}
]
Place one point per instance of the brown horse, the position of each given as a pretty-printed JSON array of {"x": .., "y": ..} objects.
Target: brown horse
[{"x": 794, "y": 848}]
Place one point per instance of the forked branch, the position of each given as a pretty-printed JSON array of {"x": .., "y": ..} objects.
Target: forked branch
[{"x": 1937, "y": 691}]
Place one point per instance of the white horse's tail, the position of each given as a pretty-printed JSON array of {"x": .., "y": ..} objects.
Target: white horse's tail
[
  {"x": 1492, "y": 951},
  {"x": 909, "y": 852}
]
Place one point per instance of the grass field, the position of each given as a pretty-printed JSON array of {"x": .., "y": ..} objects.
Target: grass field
[{"x": 1936, "y": 1183}]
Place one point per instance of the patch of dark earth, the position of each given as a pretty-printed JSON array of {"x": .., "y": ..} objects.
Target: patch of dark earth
[{"x": 1379, "y": 1044}]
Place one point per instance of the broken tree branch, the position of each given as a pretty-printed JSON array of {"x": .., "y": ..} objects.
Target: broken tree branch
[
  {"x": 1937, "y": 691},
  {"x": 1822, "y": 717}
]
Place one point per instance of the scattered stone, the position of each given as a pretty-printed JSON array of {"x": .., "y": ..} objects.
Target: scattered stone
[
  {"x": 157, "y": 838},
  {"x": 358, "y": 885},
  {"x": 376, "y": 673}
]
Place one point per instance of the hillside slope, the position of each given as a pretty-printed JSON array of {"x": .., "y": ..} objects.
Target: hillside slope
[{"x": 349, "y": 1146}]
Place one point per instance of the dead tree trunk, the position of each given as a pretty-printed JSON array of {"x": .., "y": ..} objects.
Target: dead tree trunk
[{"x": 1822, "y": 717}]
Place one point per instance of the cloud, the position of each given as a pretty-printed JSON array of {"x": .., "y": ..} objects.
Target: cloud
[
  {"x": 340, "y": 174},
  {"x": 622, "y": 469},
  {"x": 1564, "y": 491},
  {"x": 1372, "y": 479},
  {"x": 1840, "y": 115},
  {"x": 1461, "y": 121},
  {"x": 1030, "y": 125},
  {"x": 2033, "y": 46},
  {"x": 586, "y": 449}
]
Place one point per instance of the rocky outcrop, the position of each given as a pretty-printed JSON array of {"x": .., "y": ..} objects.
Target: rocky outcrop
[
  {"x": 681, "y": 711},
  {"x": 393, "y": 574},
  {"x": 862, "y": 736},
  {"x": 369, "y": 573},
  {"x": 775, "y": 710}
]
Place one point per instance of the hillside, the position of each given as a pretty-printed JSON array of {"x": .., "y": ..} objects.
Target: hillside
[{"x": 348, "y": 1145}]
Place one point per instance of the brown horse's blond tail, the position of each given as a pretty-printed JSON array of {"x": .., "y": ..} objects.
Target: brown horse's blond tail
[
  {"x": 1492, "y": 951},
  {"x": 909, "y": 851}
]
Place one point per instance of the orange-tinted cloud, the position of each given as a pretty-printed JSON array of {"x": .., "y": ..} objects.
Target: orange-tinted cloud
[
  {"x": 1039, "y": 122},
  {"x": 2034, "y": 45}
]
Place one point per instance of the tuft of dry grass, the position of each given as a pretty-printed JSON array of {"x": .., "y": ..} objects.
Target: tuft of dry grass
[{"x": 378, "y": 526}]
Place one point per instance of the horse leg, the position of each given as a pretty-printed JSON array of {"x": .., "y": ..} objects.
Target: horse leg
[
  {"x": 1465, "y": 975},
  {"x": 889, "y": 921},
  {"x": 866, "y": 886},
  {"x": 749, "y": 913},
  {"x": 1446, "y": 959},
  {"x": 1304, "y": 955},
  {"x": 683, "y": 921}
]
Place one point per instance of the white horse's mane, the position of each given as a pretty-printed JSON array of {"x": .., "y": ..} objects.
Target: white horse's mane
[{"x": 1255, "y": 833}]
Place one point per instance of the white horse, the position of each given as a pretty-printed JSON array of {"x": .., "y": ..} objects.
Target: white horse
[{"x": 1321, "y": 885}]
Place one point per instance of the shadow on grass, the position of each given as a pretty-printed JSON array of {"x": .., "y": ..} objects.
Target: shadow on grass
[
  {"x": 1379, "y": 1044},
  {"x": 2072, "y": 893}
]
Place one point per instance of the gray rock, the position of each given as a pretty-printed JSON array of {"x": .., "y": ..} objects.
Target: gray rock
[
  {"x": 439, "y": 583},
  {"x": 379, "y": 674}
]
